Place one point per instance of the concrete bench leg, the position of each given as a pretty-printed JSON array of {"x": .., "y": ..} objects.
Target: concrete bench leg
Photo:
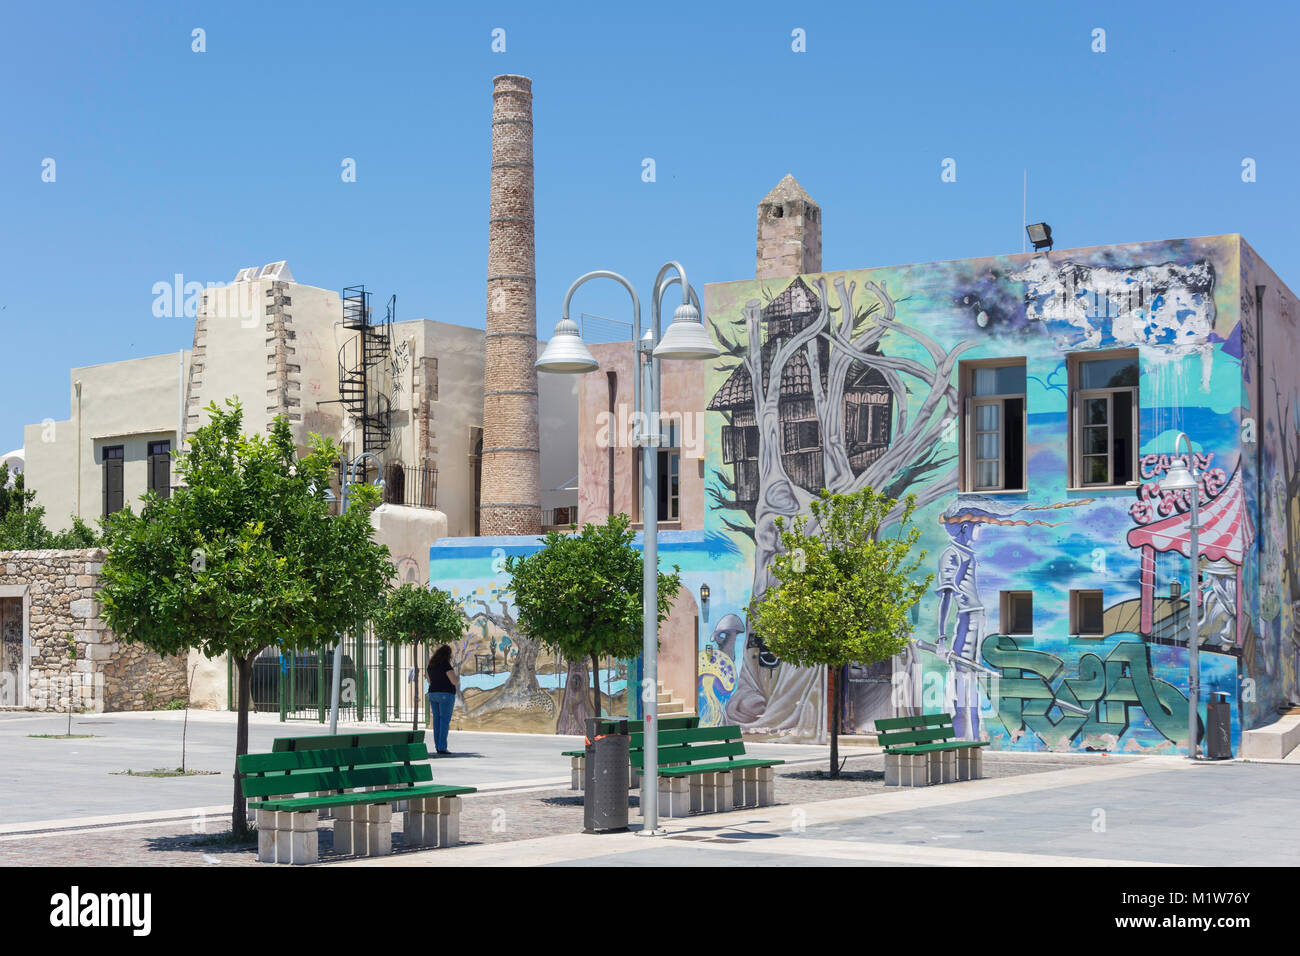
[
  {"x": 712, "y": 792},
  {"x": 970, "y": 765},
  {"x": 908, "y": 770},
  {"x": 433, "y": 822},
  {"x": 744, "y": 789},
  {"x": 365, "y": 829},
  {"x": 284, "y": 837},
  {"x": 577, "y": 772},
  {"x": 674, "y": 796},
  {"x": 943, "y": 766},
  {"x": 765, "y": 780}
]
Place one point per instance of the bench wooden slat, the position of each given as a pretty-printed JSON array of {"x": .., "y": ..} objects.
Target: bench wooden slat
[
  {"x": 720, "y": 766},
  {"x": 379, "y": 738},
  {"x": 309, "y": 781},
  {"x": 946, "y": 745},
  {"x": 913, "y": 723},
  {"x": 353, "y": 799},
  {"x": 691, "y": 735},
  {"x": 694, "y": 753},
  {"x": 917, "y": 736},
  {"x": 291, "y": 760}
]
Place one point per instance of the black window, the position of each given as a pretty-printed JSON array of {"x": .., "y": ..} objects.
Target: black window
[
  {"x": 113, "y": 458},
  {"x": 160, "y": 468},
  {"x": 1017, "y": 612},
  {"x": 1087, "y": 613}
]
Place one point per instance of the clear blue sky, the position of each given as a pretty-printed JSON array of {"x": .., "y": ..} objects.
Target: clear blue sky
[{"x": 170, "y": 161}]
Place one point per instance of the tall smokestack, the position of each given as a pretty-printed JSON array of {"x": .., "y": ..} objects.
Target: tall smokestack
[{"x": 510, "y": 494}]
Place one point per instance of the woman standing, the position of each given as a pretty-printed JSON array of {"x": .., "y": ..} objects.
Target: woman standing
[{"x": 443, "y": 682}]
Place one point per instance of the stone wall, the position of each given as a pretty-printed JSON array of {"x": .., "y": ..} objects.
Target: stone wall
[{"x": 57, "y": 594}]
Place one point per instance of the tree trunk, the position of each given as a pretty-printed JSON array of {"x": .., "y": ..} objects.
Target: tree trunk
[
  {"x": 595, "y": 683},
  {"x": 833, "y": 671},
  {"x": 574, "y": 702},
  {"x": 239, "y": 808}
]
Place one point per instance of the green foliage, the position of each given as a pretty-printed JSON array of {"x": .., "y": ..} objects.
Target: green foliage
[
  {"x": 843, "y": 594},
  {"x": 413, "y": 614},
  {"x": 245, "y": 555},
  {"x": 580, "y": 595},
  {"x": 17, "y": 498},
  {"x": 22, "y": 523}
]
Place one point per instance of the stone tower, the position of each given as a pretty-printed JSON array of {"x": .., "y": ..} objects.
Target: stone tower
[
  {"x": 510, "y": 493},
  {"x": 789, "y": 232}
]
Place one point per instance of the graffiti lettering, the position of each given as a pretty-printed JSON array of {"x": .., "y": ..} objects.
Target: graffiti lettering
[
  {"x": 1155, "y": 503},
  {"x": 1094, "y": 703}
]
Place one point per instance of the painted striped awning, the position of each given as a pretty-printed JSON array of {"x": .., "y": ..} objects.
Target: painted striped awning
[{"x": 1225, "y": 530}]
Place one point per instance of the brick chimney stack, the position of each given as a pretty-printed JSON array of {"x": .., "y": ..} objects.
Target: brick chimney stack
[
  {"x": 510, "y": 496},
  {"x": 789, "y": 232}
]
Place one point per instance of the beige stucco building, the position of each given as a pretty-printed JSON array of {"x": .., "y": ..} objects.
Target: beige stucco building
[
  {"x": 122, "y": 415},
  {"x": 284, "y": 347}
]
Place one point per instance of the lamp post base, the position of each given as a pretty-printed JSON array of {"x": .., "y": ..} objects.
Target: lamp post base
[{"x": 651, "y": 833}]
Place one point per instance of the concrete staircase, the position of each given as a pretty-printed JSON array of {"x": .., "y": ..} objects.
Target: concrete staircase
[{"x": 670, "y": 705}]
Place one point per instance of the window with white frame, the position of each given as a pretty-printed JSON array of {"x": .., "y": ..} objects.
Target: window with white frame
[
  {"x": 1104, "y": 415},
  {"x": 995, "y": 414}
]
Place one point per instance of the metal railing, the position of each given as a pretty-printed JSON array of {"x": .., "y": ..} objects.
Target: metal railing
[
  {"x": 560, "y": 517},
  {"x": 376, "y": 683},
  {"x": 410, "y": 485}
]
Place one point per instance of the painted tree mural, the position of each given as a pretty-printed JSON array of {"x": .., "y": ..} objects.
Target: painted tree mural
[
  {"x": 521, "y": 690},
  {"x": 815, "y": 401}
]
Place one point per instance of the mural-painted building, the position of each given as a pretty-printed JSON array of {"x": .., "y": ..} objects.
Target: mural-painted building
[{"x": 1031, "y": 403}]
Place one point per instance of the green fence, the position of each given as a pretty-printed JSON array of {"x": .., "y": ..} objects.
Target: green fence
[{"x": 375, "y": 683}]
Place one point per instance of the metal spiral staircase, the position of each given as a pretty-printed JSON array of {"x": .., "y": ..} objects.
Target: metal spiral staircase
[{"x": 361, "y": 361}]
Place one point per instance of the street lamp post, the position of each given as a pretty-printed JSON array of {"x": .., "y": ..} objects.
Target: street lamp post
[
  {"x": 346, "y": 473},
  {"x": 1185, "y": 476},
  {"x": 686, "y": 339}
]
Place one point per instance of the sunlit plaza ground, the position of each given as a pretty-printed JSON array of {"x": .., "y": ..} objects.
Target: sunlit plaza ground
[{"x": 69, "y": 802}]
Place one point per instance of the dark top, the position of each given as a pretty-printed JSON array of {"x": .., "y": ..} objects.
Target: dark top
[{"x": 438, "y": 681}]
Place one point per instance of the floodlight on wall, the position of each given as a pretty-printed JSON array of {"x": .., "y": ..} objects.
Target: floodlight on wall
[
  {"x": 566, "y": 352},
  {"x": 687, "y": 338},
  {"x": 1040, "y": 234}
]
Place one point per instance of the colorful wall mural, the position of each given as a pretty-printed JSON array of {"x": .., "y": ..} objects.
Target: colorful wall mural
[{"x": 848, "y": 379}]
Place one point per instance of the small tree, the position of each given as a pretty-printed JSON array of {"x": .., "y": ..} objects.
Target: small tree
[
  {"x": 581, "y": 594},
  {"x": 843, "y": 594},
  {"x": 243, "y": 557},
  {"x": 416, "y": 615}
]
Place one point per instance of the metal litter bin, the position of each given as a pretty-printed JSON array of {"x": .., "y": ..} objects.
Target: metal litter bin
[
  {"x": 604, "y": 802},
  {"x": 1218, "y": 732}
]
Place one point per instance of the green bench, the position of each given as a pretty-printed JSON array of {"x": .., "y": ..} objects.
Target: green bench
[
  {"x": 374, "y": 738},
  {"x": 360, "y": 784},
  {"x": 705, "y": 770},
  {"x": 578, "y": 758},
  {"x": 920, "y": 751}
]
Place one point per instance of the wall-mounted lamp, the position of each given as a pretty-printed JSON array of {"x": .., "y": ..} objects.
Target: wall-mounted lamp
[
  {"x": 704, "y": 595},
  {"x": 1040, "y": 234},
  {"x": 1175, "y": 590}
]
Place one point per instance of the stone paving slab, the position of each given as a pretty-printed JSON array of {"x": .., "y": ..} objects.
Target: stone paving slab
[{"x": 489, "y": 817}]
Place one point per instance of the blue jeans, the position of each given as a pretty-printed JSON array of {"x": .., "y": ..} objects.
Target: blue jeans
[{"x": 441, "y": 705}]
